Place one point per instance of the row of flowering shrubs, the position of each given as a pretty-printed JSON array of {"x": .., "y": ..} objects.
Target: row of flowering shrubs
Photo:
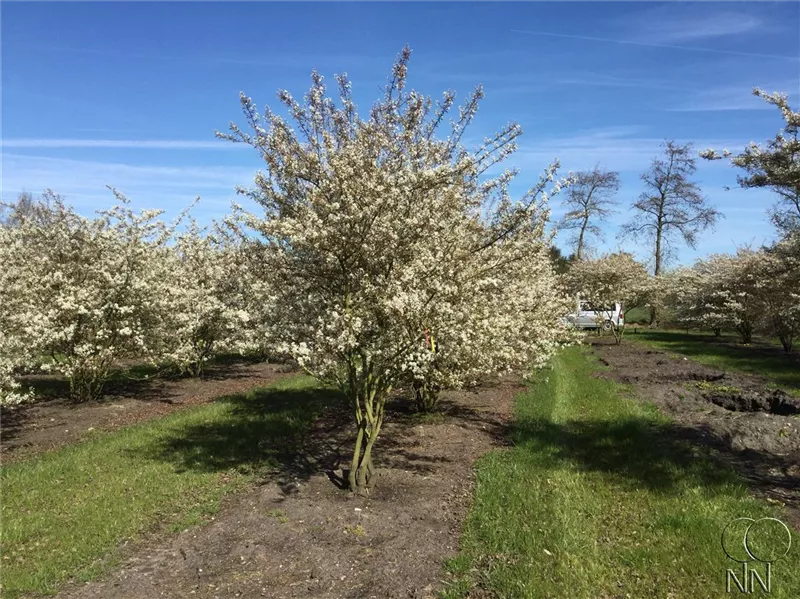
[
  {"x": 751, "y": 292},
  {"x": 80, "y": 294}
]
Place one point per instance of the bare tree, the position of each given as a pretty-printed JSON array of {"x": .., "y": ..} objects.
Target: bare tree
[
  {"x": 27, "y": 207},
  {"x": 672, "y": 204},
  {"x": 588, "y": 202}
]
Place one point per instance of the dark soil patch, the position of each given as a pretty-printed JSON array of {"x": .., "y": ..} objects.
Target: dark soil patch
[
  {"x": 748, "y": 425},
  {"x": 55, "y": 421},
  {"x": 300, "y": 535},
  {"x": 774, "y": 401}
]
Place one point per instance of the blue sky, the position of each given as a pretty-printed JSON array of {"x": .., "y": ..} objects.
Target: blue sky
[{"x": 130, "y": 95}]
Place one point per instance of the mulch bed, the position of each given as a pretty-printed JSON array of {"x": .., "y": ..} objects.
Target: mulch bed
[
  {"x": 749, "y": 425},
  {"x": 55, "y": 422},
  {"x": 300, "y": 535}
]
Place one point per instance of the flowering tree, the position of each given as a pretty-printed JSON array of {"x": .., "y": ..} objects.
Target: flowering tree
[
  {"x": 82, "y": 289},
  {"x": 374, "y": 230},
  {"x": 15, "y": 351},
  {"x": 694, "y": 299},
  {"x": 201, "y": 310},
  {"x": 775, "y": 165},
  {"x": 610, "y": 279}
]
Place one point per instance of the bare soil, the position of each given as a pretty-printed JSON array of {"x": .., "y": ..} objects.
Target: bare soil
[
  {"x": 55, "y": 421},
  {"x": 744, "y": 421},
  {"x": 301, "y": 535}
]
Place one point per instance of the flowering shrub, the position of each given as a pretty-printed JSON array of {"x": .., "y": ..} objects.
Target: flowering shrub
[
  {"x": 750, "y": 291},
  {"x": 201, "y": 311},
  {"x": 694, "y": 300},
  {"x": 77, "y": 293},
  {"x": 14, "y": 316},
  {"x": 612, "y": 278},
  {"x": 505, "y": 312},
  {"x": 376, "y": 229},
  {"x": 783, "y": 300}
]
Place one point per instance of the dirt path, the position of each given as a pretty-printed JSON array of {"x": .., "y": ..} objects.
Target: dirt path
[
  {"x": 750, "y": 426},
  {"x": 302, "y": 536},
  {"x": 49, "y": 424}
]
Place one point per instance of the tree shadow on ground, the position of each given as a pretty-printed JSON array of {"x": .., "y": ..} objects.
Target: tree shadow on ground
[
  {"x": 14, "y": 421},
  {"x": 291, "y": 435},
  {"x": 758, "y": 358},
  {"x": 667, "y": 458},
  {"x": 636, "y": 452},
  {"x": 261, "y": 432}
]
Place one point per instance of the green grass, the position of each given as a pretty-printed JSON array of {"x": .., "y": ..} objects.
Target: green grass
[
  {"x": 65, "y": 513},
  {"x": 782, "y": 370},
  {"x": 638, "y": 316},
  {"x": 596, "y": 499}
]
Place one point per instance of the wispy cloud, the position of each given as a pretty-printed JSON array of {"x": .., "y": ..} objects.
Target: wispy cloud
[
  {"x": 657, "y": 45},
  {"x": 729, "y": 98},
  {"x": 624, "y": 148},
  {"x": 152, "y": 144},
  {"x": 593, "y": 79},
  {"x": 665, "y": 26},
  {"x": 83, "y": 182},
  {"x": 628, "y": 149},
  {"x": 213, "y": 57}
]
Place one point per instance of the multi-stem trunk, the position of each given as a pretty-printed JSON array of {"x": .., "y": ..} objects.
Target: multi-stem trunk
[
  {"x": 617, "y": 332},
  {"x": 745, "y": 330},
  {"x": 368, "y": 402},
  {"x": 426, "y": 395},
  {"x": 86, "y": 385},
  {"x": 784, "y": 331}
]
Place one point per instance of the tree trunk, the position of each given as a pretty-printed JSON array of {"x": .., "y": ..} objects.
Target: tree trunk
[
  {"x": 787, "y": 341},
  {"x": 617, "y": 332},
  {"x": 656, "y": 271},
  {"x": 426, "y": 396},
  {"x": 369, "y": 410},
  {"x": 579, "y": 249},
  {"x": 745, "y": 332}
]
